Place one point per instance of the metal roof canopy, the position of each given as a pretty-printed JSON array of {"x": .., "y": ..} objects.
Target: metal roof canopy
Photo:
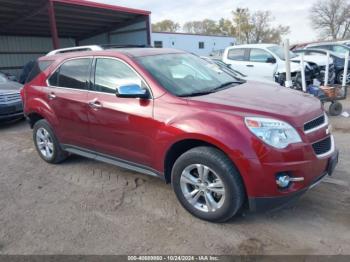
[{"x": 78, "y": 19}]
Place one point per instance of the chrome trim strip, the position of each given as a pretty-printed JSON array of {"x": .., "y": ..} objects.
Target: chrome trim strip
[
  {"x": 330, "y": 152},
  {"x": 326, "y": 123}
]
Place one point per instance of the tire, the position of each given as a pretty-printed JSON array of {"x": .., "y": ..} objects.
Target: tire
[
  {"x": 335, "y": 108},
  {"x": 46, "y": 143},
  {"x": 229, "y": 190},
  {"x": 340, "y": 78}
]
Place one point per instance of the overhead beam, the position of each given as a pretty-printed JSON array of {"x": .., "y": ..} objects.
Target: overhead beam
[{"x": 27, "y": 16}]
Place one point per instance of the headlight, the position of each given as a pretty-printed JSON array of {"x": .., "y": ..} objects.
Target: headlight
[{"x": 273, "y": 132}]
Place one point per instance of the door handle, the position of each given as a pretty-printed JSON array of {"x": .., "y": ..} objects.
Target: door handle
[
  {"x": 95, "y": 104},
  {"x": 249, "y": 65},
  {"x": 51, "y": 96}
]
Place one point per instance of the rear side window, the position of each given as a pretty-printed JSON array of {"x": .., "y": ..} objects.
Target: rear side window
[
  {"x": 237, "y": 54},
  {"x": 38, "y": 67},
  {"x": 72, "y": 74}
]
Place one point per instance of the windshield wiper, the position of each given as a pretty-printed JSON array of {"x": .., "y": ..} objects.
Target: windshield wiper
[
  {"x": 206, "y": 92},
  {"x": 199, "y": 93},
  {"x": 227, "y": 84}
]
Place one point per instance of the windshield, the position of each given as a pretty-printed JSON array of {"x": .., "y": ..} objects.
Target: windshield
[
  {"x": 340, "y": 49},
  {"x": 279, "y": 51},
  {"x": 187, "y": 74}
]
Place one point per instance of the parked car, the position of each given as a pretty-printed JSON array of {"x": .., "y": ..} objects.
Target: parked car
[
  {"x": 9, "y": 76},
  {"x": 228, "y": 69},
  {"x": 10, "y": 100},
  {"x": 222, "y": 143},
  {"x": 330, "y": 46},
  {"x": 337, "y": 53},
  {"x": 268, "y": 61},
  {"x": 318, "y": 62}
]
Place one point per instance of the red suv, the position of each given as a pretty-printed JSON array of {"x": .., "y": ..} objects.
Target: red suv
[{"x": 224, "y": 144}]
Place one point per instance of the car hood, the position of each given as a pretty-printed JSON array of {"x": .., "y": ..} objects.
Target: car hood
[
  {"x": 260, "y": 79},
  {"x": 10, "y": 86},
  {"x": 320, "y": 60},
  {"x": 259, "y": 99}
]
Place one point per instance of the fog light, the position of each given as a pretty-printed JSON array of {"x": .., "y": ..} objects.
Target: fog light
[{"x": 283, "y": 180}]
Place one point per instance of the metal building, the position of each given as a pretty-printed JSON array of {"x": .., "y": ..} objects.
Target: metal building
[
  {"x": 31, "y": 28},
  {"x": 203, "y": 45}
]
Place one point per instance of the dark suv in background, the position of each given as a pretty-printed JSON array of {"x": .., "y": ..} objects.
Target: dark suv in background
[{"x": 223, "y": 143}]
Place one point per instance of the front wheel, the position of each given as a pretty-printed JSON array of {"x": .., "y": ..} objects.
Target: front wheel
[
  {"x": 340, "y": 77},
  {"x": 207, "y": 184},
  {"x": 335, "y": 108}
]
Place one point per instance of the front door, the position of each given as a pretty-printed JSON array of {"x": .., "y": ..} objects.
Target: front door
[{"x": 121, "y": 127}]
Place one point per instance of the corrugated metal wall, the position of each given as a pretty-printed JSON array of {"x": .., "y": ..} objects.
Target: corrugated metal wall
[
  {"x": 135, "y": 34},
  {"x": 16, "y": 51}
]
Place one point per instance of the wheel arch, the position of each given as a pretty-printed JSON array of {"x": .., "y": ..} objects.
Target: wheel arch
[{"x": 182, "y": 146}]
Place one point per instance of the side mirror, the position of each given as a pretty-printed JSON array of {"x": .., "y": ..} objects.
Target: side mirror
[
  {"x": 271, "y": 60},
  {"x": 131, "y": 91}
]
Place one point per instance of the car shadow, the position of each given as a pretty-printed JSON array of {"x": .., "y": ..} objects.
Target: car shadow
[{"x": 11, "y": 123}]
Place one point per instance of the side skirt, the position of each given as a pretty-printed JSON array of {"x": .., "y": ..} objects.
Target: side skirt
[{"x": 112, "y": 160}]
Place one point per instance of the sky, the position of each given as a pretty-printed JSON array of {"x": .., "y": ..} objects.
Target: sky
[{"x": 292, "y": 13}]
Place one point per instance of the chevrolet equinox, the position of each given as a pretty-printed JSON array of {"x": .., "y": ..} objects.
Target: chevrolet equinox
[{"x": 223, "y": 143}]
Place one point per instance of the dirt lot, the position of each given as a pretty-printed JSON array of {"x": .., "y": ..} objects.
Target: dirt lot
[{"x": 87, "y": 207}]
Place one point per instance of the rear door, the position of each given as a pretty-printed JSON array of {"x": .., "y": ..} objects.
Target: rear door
[
  {"x": 67, "y": 95},
  {"x": 121, "y": 127},
  {"x": 238, "y": 59}
]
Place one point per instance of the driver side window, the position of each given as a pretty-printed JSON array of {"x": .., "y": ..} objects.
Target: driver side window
[
  {"x": 111, "y": 73},
  {"x": 259, "y": 55}
]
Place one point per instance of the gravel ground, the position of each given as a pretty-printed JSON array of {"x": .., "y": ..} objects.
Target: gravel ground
[{"x": 86, "y": 207}]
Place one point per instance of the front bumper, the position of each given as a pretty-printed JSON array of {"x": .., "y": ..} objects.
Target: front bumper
[
  {"x": 11, "y": 111},
  {"x": 257, "y": 204}
]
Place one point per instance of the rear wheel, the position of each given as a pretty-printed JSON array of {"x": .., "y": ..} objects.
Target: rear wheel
[
  {"x": 47, "y": 144},
  {"x": 207, "y": 184}
]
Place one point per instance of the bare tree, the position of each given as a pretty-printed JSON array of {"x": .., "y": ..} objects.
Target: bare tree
[
  {"x": 166, "y": 26},
  {"x": 256, "y": 27},
  {"x": 331, "y": 18}
]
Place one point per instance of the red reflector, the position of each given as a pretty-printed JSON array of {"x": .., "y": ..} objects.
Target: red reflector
[{"x": 252, "y": 123}]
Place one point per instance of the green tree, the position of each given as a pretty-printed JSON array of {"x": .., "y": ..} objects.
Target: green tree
[
  {"x": 166, "y": 26},
  {"x": 206, "y": 26},
  {"x": 256, "y": 27}
]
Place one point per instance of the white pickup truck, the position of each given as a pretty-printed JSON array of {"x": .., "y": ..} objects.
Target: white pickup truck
[{"x": 267, "y": 61}]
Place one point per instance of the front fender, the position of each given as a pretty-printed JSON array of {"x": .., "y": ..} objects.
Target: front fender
[{"x": 224, "y": 131}]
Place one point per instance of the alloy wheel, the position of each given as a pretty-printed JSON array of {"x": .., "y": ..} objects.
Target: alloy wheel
[
  {"x": 44, "y": 143},
  {"x": 202, "y": 188}
]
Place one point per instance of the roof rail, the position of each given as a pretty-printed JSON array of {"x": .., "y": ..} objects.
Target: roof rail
[
  {"x": 75, "y": 49},
  {"x": 111, "y": 46}
]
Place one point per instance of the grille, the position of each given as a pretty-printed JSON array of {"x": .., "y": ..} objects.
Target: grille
[
  {"x": 8, "y": 98},
  {"x": 314, "y": 123},
  {"x": 322, "y": 146}
]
